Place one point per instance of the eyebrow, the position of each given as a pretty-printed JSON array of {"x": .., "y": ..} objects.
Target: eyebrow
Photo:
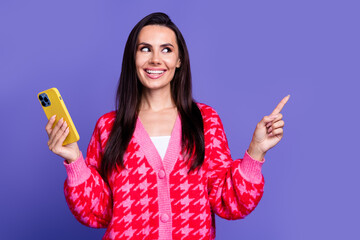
[{"x": 162, "y": 45}]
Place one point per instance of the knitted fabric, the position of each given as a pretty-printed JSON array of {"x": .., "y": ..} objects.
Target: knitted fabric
[{"x": 155, "y": 199}]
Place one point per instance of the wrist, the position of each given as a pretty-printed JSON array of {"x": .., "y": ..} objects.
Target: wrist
[
  {"x": 255, "y": 152},
  {"x": 71, "y": 160}
]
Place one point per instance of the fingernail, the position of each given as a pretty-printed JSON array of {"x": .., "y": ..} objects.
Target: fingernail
[
  {"x": 65, "y": 124},
  {"x": 53, "y": 117}
]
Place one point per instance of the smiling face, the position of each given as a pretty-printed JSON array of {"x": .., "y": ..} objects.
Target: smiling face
[{"x": 157, "y": 57}]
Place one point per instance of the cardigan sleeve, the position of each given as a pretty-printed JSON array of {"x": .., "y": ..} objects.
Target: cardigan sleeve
[
  {"x": 87, "y": 194},
  {"x": 234, "y": 187}
]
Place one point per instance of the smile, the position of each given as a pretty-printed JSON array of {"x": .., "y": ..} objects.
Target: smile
[{"x": 154, "y": 74}]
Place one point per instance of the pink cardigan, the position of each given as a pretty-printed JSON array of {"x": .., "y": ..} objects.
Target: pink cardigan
[{"x": 155, "y": 199}]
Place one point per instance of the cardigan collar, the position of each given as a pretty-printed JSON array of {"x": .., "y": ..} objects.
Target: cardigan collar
[{"x": 172, "y": 152}]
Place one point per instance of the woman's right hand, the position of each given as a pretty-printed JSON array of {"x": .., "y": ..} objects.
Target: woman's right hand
[{"x": 57, "y": 136}]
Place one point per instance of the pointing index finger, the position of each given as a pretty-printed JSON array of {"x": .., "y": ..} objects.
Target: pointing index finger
[{"x": 280, "y": 106}]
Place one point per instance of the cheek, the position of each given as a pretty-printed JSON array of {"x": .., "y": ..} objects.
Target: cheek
[
  {"x": 140, "y": 60},
  {"x": 139, "y": 67},
  {"x": 171, "y": 62}
]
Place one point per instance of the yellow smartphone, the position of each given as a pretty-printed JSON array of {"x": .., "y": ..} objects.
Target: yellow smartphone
[{"x": 53, "y": 104}]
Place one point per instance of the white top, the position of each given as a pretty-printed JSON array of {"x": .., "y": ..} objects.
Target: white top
[{"x": 161, "y": 143}]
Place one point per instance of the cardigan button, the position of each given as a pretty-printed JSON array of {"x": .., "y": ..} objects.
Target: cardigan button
[
  {"x": 161, "y": 174},
  {"x": 164, "y": 217}
]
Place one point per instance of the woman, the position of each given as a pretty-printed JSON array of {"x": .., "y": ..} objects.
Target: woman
[{"x": 159, "y": 166}]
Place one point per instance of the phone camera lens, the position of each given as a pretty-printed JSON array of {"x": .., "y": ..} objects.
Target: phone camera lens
[
  {"x": 46, "y": 99},
  {"x": 43, "y": 103},
  {"x": 41, "y": 98}
]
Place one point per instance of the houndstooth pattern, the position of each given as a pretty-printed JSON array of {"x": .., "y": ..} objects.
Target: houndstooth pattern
[{"x": 129, "y": 206}]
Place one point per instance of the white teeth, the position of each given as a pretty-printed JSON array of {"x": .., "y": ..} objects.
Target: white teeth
[{"x": 154, "y": 71}]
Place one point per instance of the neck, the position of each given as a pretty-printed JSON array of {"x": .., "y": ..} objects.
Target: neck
[{"x": 156, "y": 100}]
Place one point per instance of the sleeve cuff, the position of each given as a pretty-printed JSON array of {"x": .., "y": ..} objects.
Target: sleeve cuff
[
  {"x": 78, "y": 172},
  {"x": 250, "y": 168}
]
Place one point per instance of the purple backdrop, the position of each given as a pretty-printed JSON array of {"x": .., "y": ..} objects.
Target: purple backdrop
[{"x": 245, "y": 57}]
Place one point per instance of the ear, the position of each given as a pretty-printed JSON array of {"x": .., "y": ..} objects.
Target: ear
[{"x": 178, "y": 64}]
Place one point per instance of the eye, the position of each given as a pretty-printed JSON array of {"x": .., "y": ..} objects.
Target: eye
[
  {"x": 166, "y": 50},
  {"x": 144, "y": 49}
]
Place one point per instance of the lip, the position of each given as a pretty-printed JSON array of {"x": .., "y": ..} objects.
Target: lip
[{"x": 154, "y": 76}]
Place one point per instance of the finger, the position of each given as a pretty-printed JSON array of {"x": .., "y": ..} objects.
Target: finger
[
  {"x": 54, "y": 139},
  {"x": 56, "y": 132},
  {"x": 48, "y": 127},
  {"x": 277, "y": 132},
  {"x": 56, "y": 128},
  {"x": 57, "y": 138},
  {"x": 62, "y": 138},
  {"x": 278, "y": 124},
  {"x": 278, "y": 117},
  {"x": 280, "y": 106},
  {"x": 265, "y": 120},
  {"x": 52, "y": 134}
]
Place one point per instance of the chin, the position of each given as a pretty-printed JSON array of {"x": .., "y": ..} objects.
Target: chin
[{"x": 157, "y": 86}]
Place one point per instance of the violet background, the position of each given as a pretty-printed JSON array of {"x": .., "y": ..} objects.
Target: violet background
[{"x": 245, "y": 57}]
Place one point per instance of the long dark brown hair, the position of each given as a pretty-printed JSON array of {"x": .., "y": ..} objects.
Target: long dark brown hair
[{"x": 128, "y": 98}]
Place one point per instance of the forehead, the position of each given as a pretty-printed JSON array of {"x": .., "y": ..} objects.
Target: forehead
[{"x": 156, "y": 34}]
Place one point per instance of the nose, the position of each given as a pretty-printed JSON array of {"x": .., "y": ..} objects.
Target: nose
[{"x": 155, "y": 58}]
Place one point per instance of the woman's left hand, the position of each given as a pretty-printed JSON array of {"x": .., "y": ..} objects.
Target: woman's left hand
[{"x": 268, "y": 132}]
